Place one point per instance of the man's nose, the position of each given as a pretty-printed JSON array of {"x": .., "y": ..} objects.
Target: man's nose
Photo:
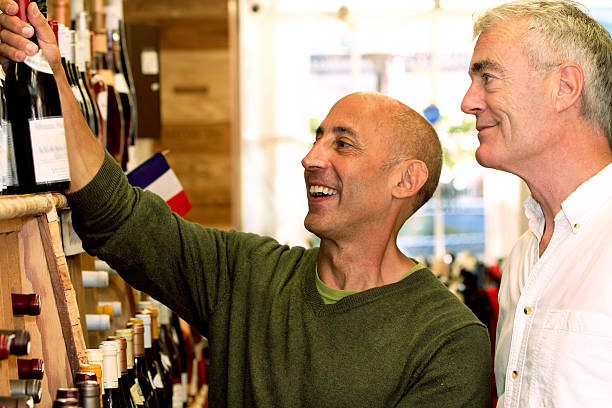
[
  {"x": 473, "y": 102},
  {"x": 317, "y": 157}
]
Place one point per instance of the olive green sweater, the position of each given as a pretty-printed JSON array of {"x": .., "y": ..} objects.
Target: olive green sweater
[{"x": 273, "y": 342}]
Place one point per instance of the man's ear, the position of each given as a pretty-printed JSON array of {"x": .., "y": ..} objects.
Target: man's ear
[
  {"x": 413, "y": 176},
  {"x": 569, "y": 83}
]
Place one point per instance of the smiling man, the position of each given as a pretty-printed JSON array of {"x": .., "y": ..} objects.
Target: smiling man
[
  {"x": 354, "y": 323},
  {"x": 541, "y": 94}
]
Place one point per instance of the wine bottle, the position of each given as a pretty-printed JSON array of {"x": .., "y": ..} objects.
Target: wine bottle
[
  {"x": 179, "y": 340},
  {"x": 30, "y": 368},
  {"x": 104, "y": 81},
  {"x": 25, "y": 304},
  {"x": 5, "y": 346},
  {"x": 114, "y": 305},
  {"x": 63, "y": 41},
  {"x": 95, "y": 357},
  {"x": 20, "y": 341},
  {"x": 97, "y": 322},
  {"x": 161, "y": 358},
  {"x": 83, "y": 58},
  {"x": 156, "y": 373},
  {"x": 95, "y": 279},
  {"x": 112, "y": 396},
  {"x": 65, "y": 402},
  {"x": 7, "y": 151},
  {"x": 67, "y": 393},
  {"x": 17, "y": 402},
  {"x": 89, "y": 393},
  {"x": 27, "y": 388},
  {"x": 35, "y": 114},
  {"x": 124, "y": 388},
  {"x": 114, "y": 17},
  {"x": 135, "y": 391},
  {"x": 171, "y": 349},
  {"x": 88, "y": 369},
  {"x": 144, "y": 379}
]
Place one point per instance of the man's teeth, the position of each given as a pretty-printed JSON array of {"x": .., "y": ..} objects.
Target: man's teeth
[{"x": 318, "y": 191}]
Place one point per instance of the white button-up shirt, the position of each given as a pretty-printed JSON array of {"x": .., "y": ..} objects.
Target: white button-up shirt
[{"x": 554, "y": 335}]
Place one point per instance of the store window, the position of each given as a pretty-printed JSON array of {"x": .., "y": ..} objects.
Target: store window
[{"x": 298, "y": 58}]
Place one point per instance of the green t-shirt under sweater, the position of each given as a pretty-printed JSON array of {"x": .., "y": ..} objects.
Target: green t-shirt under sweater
[{"x": 273, "y": 342}]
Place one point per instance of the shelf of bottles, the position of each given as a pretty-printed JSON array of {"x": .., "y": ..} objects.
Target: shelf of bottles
[
  {"x": 137, "y": 361},
  {"x": 92, "y": 44}
]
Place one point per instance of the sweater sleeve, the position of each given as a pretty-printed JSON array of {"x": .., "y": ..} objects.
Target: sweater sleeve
[
  {"x": 180, "y": 263},
  {"x": 458, "y": 374}
]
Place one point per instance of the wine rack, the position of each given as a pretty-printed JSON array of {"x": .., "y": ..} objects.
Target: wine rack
[{"x": 32, "y": 261}]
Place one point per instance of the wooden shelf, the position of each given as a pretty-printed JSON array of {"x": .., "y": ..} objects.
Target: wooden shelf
[{"x": 32, "y": 261}]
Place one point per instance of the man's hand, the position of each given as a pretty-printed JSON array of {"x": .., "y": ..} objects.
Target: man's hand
[{"x": 15, "y": 33}]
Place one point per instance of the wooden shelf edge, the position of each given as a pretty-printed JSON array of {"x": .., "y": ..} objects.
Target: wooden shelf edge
[{"x": 16, "y": 206}]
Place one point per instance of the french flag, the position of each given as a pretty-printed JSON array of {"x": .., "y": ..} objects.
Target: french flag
[{"x": 156, "y": 176}]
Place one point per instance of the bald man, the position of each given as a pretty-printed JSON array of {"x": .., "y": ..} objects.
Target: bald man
[{"x": 354, "y": 323}]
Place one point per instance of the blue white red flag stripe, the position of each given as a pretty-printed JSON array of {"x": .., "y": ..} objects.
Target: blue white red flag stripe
[{"x": 155, "y": 175}]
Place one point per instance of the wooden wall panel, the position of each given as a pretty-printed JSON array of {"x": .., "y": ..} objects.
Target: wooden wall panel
[
  {"x": 195, "y": 100},
  {"x": 152, "y": 10},
  {"x": 208, "y": 33},
  {"x": 200, "y": 156},
  {"x": 194, "y": 87}
]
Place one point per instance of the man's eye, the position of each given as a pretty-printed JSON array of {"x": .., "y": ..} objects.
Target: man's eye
[
  {"x": 487, "y": 78},
  {"x": 342, "y": 143}
]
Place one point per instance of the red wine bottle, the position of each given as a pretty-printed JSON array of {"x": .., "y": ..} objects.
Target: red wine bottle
[
  {"x": 35, "y": 114},
  {"x": 5, "y": 346},
  {"x": 25, "y": 304},
  {"x": 20, "y": 341},
  {"x": 67, "y": 393},
  {"x": 30, "y": 369}
]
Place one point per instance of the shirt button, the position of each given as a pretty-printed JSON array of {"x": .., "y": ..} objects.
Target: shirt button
[
  {"x": 514, "y": 375},
  {"x": 576, "y": 226},
  {"x": 527, "y": 310}
]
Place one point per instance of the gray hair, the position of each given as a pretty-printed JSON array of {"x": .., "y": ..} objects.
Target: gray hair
[{"x": 561, "y": 31}]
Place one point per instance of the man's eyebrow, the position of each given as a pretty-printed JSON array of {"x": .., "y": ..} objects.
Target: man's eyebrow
[
  {"x": 485, "y": 65},
  {"x": 338, "y": 130}
]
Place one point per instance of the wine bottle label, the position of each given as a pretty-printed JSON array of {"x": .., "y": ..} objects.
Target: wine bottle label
[
  {"x": 103, "y": 104},
  {"x": 157, "y": 381},
  {"x": 49, "y": 150},
  {"x": 137, "y": 394},
  {"x": 166, "y": 361},
  {"x": 121, "y": 85},
  {"x": 177, "y": 396},
  {"x": 11, "y": 175},
  {"x": 38, "y": 63}
]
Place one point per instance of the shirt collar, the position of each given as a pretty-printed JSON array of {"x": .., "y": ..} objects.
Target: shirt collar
[
  {"x": 578, "y": 206},
  {"x": 588, "y": 197}
]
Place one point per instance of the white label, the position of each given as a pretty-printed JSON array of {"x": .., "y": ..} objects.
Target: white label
[
  {"x": 177, "y": 396},
  {"x": 157, "y": 381},
  {"x": 184, "y": 382},
  {"x": 49, "y": 150},
  {"x": 11, "y": 179},
  {"x": 165, "y": 361},
  {"x": 3, "y": 156},
  {"x": 149, "y": 62},
  {"x": 38, "y": 63},
  {"x": 102, "y": 100},
  {"x": 136, "y": 392},
  {"x": 120, "y": 85},
  {"x": 72, "y": 243}
]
